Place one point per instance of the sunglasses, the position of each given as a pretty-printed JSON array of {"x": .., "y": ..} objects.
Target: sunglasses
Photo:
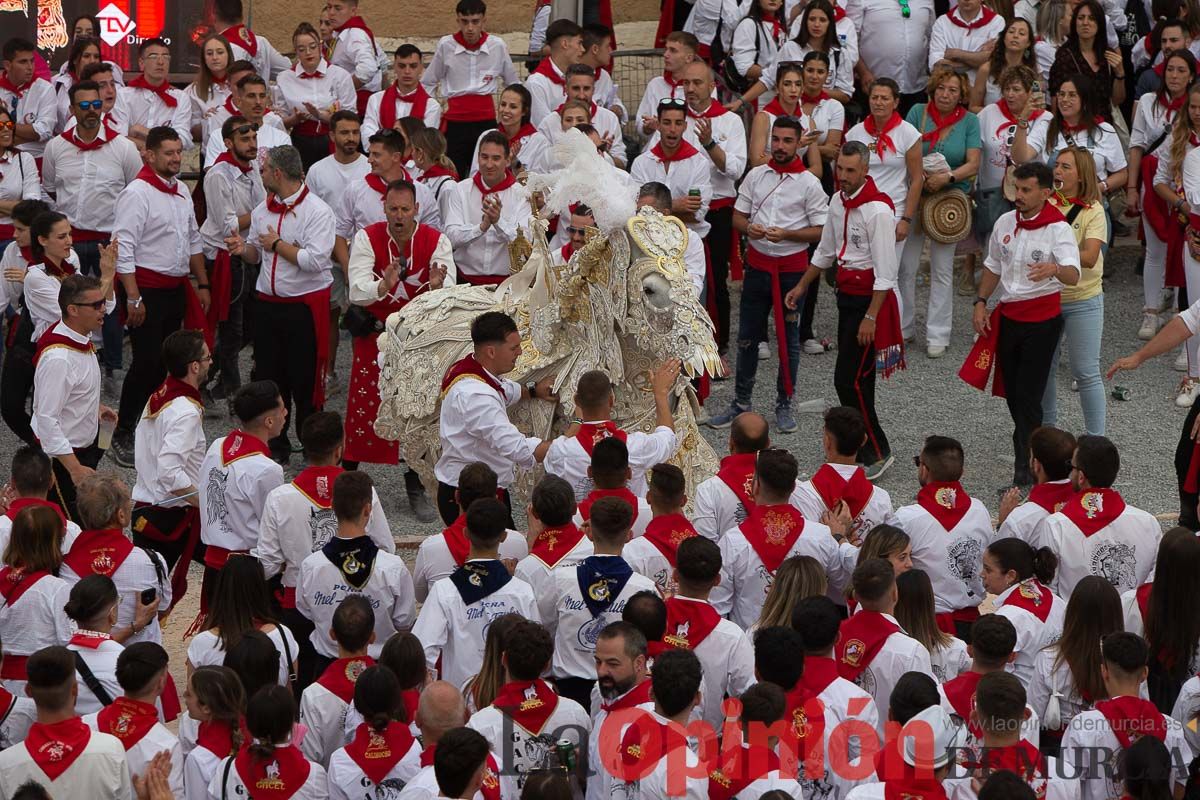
[
  {"x": 97, "y": 306},
  {"x": 91, "y": 105},
  {"x": 241, "y": 130},
  {"x": 573, "y": 231},
  {"x": 7, "y": 125}
]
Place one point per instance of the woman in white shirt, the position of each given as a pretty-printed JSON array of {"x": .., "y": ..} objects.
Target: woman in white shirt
[
  {"x": 92, "y": 606},
  {"x": 998, "y": 123},
  {"x": 914, "y": 611},
  {"x": 1014, "y": 47},
  {"x": 895, "y": 148},
  {"x": 526, "y": 146},
  {"x": 757, "y": 39},
  {"x": 817, "y": 33},
  {"x": 211, "y": 88},
  {"x": 19, "y": 179},
  {"x": 1018, "y": 575},
  {"x": 313, "y": 90},
  {"x": 1075, "y": 122},
  {"x": 435, "y": 167},
  {"x": 211, "y": 730}
]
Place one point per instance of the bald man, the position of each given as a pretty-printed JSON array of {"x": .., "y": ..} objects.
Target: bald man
[
  {"x": 724, "y": 500},
  {"x": 442, "y": 708}
]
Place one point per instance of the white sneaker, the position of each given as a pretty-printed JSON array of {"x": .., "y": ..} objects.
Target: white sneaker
[
  {"x": 764, "y": 350},
  {"x": 1149, "y": 325},
  {"x": 1074, "y": 386},
  {"x": 1189, "y": 390},
  {"x": 935, "y": 350},
  {"x": 813, "y": 347},
  {"x": 1181, "y": 360}
]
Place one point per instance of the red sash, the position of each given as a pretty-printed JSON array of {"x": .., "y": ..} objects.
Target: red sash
[
  {"x": 419, "y": 99},
  {"x": 468, "y": 367},
  {"x": 128, "y": 720},
  {"x": 667, "y": 531},
  {"x": 163, "y": 90},
  {"x": 981, "y": 362},
  {"x": 15, "y": 581},
  {"x": 592, "y": 433},
  {"x": 1094, "y": 509},
  {"x": 946, "y": 501},
  {"x": 831, "y": 487},
  {"x": 277, "y": 778},
  {"x": 1052, "y": 496},
  {"x": 860, "y": 639},
  {"x": 316, "y": 484},
  {"x": 585, "y": 508},
  {"x": 21, "y": 503},
  {"x": 737, "y": 472},
  {"x": 689, "y": 622},
  {"x": 243, "y": 37},
  {"x": 340, "y": 676},
  {"x": 51, "y": 339},
  {"x": 171, "y": 388},
  {"x": 318, "y": 307},
  {"x": 470, "y": 108},
  {"x": 239, "y": 444},
  {"x": 960, "y": 692},
  {"x": 552, "y": 544},
  {"x": 377, "y": 754},
  {"x": 54, "y": 748},
  {"x": 638, "y": 695},
  {"x": 772, "y": 531},
  {"x": 1131, "y": 718},
  {"x": 456, "y": 539},
  {"x": 98, "y": 553},
  {"x": 774, "y": 266},
  {"x": 739, "y": 769},
  {"x": 527, "y": 703},
  {"x": 1033, "y": 597}
]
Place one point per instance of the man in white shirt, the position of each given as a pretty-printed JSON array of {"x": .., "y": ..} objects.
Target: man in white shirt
[
  {"x": 964, "y": 38},
  {"x": 949, "y": 531},
  {"x": 32, "y": 479},
  {"x": 291, "y": 237},
  {"x": 555, "y": 541},
  {"x": 454, "y": 618},
  {"x": 484, "y": 214},
  {"x": 547, "y": 84},
  {"x": 252, "y": 101},
  {"x": 569, "y": 457},
  {"x": 329, "y": 177},
  {"x": 474, "y": 424},
  {"x": 29, "y": 100},
  {"x": 861, "y": 236},
  {"x": 622, "y": 684},
  {"x": 1050, "y": 451},
  {"x": 654, "y": 553},
  {"x": 527, "y": 720},
  {"x": 142, "y": 672},
  {"x": 609, "y": 473},
  {"x": 893, "y": 42},
  {"x": 724, "y": 500},
  {"x": 682, "y": 168},
  {"x": 462, "y": 765},
  {"x": 1096, "y": 532},
  {"x": 993, "y": 642},
  {"x": 351, "y": 563},
  {"x": 60, "y": 752},
  {"x": 580, "y": 84},
  {"x": 406, "y": 97},
  {"x": 160, "y": 246},
  {"x": 597, "y": 43},
  {"x": 781, "y": 208},
  {"x": 149, "y": 99},
  {"x": 680, "y": 49},
  {"x": 238, "y": 71},
  {"x": 355, "y": 50},
  {"x": 109, "y": 79},
  {"x": 245, "y": 43},
  {"x": 66, "y": 388},
  {"x": 1032, "y": 254}
]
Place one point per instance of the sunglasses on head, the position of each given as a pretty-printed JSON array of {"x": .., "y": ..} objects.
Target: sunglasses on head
[
  {"x": 91, "y": 105},
  {"x": 242, "y": 130}
]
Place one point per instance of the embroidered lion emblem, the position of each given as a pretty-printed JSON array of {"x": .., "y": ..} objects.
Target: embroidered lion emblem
[
  {"x": 1092, "y": 503},
  {"x": 322, "y": 524},
  {"x": 217, "y": 510},
  {"x": 1115, "y": 562},
  {"x": 946, "y": 497},
  {"x": 963, "y": 559}
]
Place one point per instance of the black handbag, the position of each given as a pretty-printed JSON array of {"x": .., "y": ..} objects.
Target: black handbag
[{"x": 361, "y": 322}]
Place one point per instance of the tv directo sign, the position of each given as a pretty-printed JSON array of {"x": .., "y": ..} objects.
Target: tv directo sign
[{"x": 117, "y": 27}]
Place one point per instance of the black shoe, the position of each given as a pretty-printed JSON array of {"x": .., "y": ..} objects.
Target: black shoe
[
  {"x": 121, "y": 450},
  {"x": 422, "y": 509}
]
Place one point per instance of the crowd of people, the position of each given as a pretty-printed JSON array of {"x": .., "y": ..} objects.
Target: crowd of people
[{"x": 832, "y": 643}]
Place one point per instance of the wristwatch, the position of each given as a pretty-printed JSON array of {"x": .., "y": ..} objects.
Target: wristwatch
[
  {"x": 868, "y": 316},
  {"x": 711, "y": 144},
  {"x": 531, "y": 387},
  {"x": 979, "y": 299}
]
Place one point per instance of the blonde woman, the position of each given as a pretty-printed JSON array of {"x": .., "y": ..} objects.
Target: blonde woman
[
  {"x": 798, "y": 577},
  {"x": 435, "y": 167},
  {"x": 481, "y": 688}
]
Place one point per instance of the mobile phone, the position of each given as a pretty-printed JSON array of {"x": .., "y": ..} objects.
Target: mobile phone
[{"x": 149, "y": 596}]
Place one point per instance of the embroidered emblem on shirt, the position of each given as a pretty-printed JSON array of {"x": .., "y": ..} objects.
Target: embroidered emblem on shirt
[
  {"x": 322, "y": 524},
  {"x": 271, "y": 780},
  {"x": 776, "y": 527},
  {"x": 598, "y": 591},
  {"x": 531, "y": 700},
  {"x": 679, "y": 638},
  {"x": 1093, "y": 504},
  {"x": 945, "y": 497},
  {"x": 855, "y": 648}
]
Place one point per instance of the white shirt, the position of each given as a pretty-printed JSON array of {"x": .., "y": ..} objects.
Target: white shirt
[
  {"x": 945, "y": 35},
  {"x": 34, "y": 621},
  {"x": 642, "y": 516},
  {"x": 751, "y": 46},
  {"x": 459, "y": 71},
  {"x": 358, "y": 54},
  {"x": 542, "y": 576},
  {"x": 1122, "y": 552},
  {"x": 530, "y": 749},
  {"x": 838, "y": 698},
  {"x": 268, "y": 136},
  {"x": 142, "y": 569},
  {"x": 891, "y": 45},
  {"x": 1151, "y": 119},
  {"x": 102, "y": 661},
  {"x": 953, "y": 559},
  {"x": 229, "y": 193},
  {"x": 479, "y": 252},
  {"x": 227, "y": 109},
  {"x": 567, "y": 459},
  {"x": 532, "y": 149},
  {"x": 604, "y": 121},
  {"x": 144, "y": 107},
  {"x": 435, "y": 562},
  {"x": 40, "y": 290},
  {"x": 1091, "y": 750},
  {"x": 891, "y": 172},
  {"x": 997, "y": 133},
  {"x": 1105, "y": 147},
  {"x": 872, "y": 241},
  {"x": 328, "y": 178},
  {"x": 1187, "y": 708},
  {"x": 547, "y": 95},
  {"x": 950, "y": 661},
  {"x": 600, "y": 782},
  {"x": 327, "y": 87},
  {"x": 153, "y": 742},
  {"x": 37, "y": 106},
  {"x": 206, "y": 649},
  {"x": 363, "y": 284},
  {"x": 156, "y": 230},
  {"x": 785, "y": 200},
  {"x": 1012, "y": 251},
  {"x": 99, "y": 772},
  {"x": 727, "y": 658},
  {"x": 877, "y": 511},
  {"x": 86, "y": 183},
  {"x": 1032, "y": 634},
  {"x": 204, "y": 111},
  {"x": 1059, "y": 784},
  {"x": 315, "y": 786},
  {"x": 361, "y": 205},
  {"x": 707, "y": 18},
  {"x": 66, "y": 397},
  {"x": 687, "y": 781},
  {"x": 1023, "y": 521},
  {"x": 169, "y": 448},
  {"x": 404, "y": 108},
  {"x": 323, "y": 586},
  {"x": 324, "y": 714},
  {"x": 347, "y": 781},
  {"x": 268, "y": 62},
  {"x": 474, "y": 426},
  {"x": 19, "y": 180},
  {"x": 15, "y": 720},
  {"x": 716, "y": 509},
  {"x": 900, "y": 653},
  {"x": 232, "y": 496},
  {"x": 449, "y": 628},
  {"x": 309, "y": 226},
  {"x": 693, "y": 172}
]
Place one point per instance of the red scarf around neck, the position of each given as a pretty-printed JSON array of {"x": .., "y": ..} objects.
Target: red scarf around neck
[
  {"x": 1052, "y": 496},
  {"x": 462, "y": 41},
  {"x": 98, "y": 553},
  {"x": 171, "y": 389},
  {"x": 508, "y": 180},
  {"x": 21, "y": 503},
  {"x": 792, "y": 167},
  {"x": 277, "y": 205},
  {"x": 456, "y": 540},
  {"x": 127, "y": 719},
  {"x": 105, "y": 135},
  {"x": 689, "y": 622},
  {"x": 585, "y": 507},
  {"x": 867, "y": 193},
  {"x": 947, "y": 501},
  {"x": 227, "y": 158},
  {"x": 713, "y": 111},
  {"x": 357, "y": 23},
  {"x": 553, "y": 544},
  {"x": 243, "y": 37},
  {"x": 859, "y": 641},
  {"x": 986, "y": 15},
  {"x": 638, "y": 695},
  {"x": 776, "y": 109},
  {"x": 15, "y": 581},
  {"x": 547, "y": 70},
  {"x": 737, "y": 472},
  {"x": 239, "y": 444},
  {"x": 376, "y": 753},
  {"x": 666, "y": 533},
  {"x": 883, "y": 142},
  {"x": 19, "y": 91},
  {"x": 275, "y": 778},
  {"x": 468, "y": 367},
  {"x": 1010, "y": 119},
  {"x": 1093, "y": 509},
  {"x": 738, "y": 769},
  {"x": 960, "y": 693},
  {"x": 530, "y": 704},
  {"x": 54, "y": 748},
  {"x": 682, "y": 152},
  {"x": 340, "y": 677},
  {"x": 941, "y": 123},
  {"x": 1131, "y": 718},
  {"x": 163, "y": 90},
  {"x": 52, "y": 338},
  {"x": 419, "y": 99},
  {"x": 316, "y": 484},
  {"x": 1033, "y": 597},
  {"x": 1048, "y": 215},
  {"x": 592, "y": 433},
  {"x": 154, "y": 179},
  {"x": 831, "y": 487},
  {"x": 772, "y": 531}
]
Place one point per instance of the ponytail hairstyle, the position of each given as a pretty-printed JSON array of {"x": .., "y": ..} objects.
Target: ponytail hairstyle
[
  {"x": 270, "y": 714},
  {"x": 377, "y": 697},
  {"x": 1172, "y": 624},
  {"x": 1019, "y": 556},
  {"x": 1182, "y": 131},
  {"x": 220, "y": 691},
  {"x": 433, "y": 143},
  {"x": 482, "y": 688},
  {"x": 91, "y": 600}
]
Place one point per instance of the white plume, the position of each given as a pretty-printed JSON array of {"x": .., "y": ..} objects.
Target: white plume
[{"x": 586, "y": 177}]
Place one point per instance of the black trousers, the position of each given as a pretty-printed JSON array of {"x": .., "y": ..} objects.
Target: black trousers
[
  {"x": 1183, "y": 459},
  {"x": 854, "y": 375},
  {"x": 164, "y": 519},
  {"x": 448, "y": 506},
  {"x": 808, "y": 311},
  {"x": 719, "y": 241},
  {"x": 164, "y": 315},
  {"x": 1024, "y": 353},
  {"x": 231, "y": 336},
  {"x": 312, "y": 148},
  {"x": 460, "y": 142},
  {"x": 63, "y": 490},
  {"x": 17, "y": 380},
  {"x": 285, "y": 351}
]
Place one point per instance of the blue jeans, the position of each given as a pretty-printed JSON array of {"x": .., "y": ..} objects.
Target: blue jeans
[
  {"x": 112, "y": 335},
  {"x": 1083, "y": 323},
  {"x": 757, "y": 312}
]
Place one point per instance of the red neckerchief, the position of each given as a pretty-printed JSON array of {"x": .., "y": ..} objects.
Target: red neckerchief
[
  {"x": 527, "y": 703},
  {"x": 357, "y": 23},
  {"x": 960, "y": 693},
  {"x": 456, "y": 539},
  {"x": 307, "y": 76},
  {"x": 776, "y": 109},
  {"x": 591, "y": 111},
  {"x": 243, "y": 37},
  {"x": 54, "y": 748},
  {"x": 227, "y": 158},
  {"x": 52, "y": 338},
  {"x": 815, "y": 99},
  {"x": 947, "y": 501},
  {"x": 667, "y": 531},
  {"x": 1083, "y": 125},
  {"x": 592, "y": 433},
  {"x": 171, "y": 389},
  {"x": 882, "y": 140},
  {"x": 89, "y": 639},
  {"x": 1131, "y": 718},
  {"x": 127, "y": 719},
  {"x": 1094, "y": 509},
  {"x": 859, "y": 641},
  {"x": 1021, "y": 759},
  {"x": 566, "y": 251},
  {"x": 418, "y": 98},
  {"x": 277, "y": 206},
  {"x": 217, "y": 738},
  {"x": 772, "y": 531},
  {"x": 682, "y": 152},
  {"x": 805, "y": 713},
  {"x": 1047, "y": 216},
  {"x": 867, "y": 193},
  {"x": 670, "y": 79},
  {"x": 831, "y": 487},
  {"x": 58, "y": 270},
  {"x": 154, "y": 179},
  {"x": 468, "y": 367},
  {"x": 713, "y": 111},
  {"x": 98, "y": 552},
  {"x": 648, "y": 741},
  {"x": 689, "y": 622},
  {"x": 1172, "y": 106},
  {"x": 552, "y": 544},
  {"x": 546, "y": 69},
  {"x": 15, "y": 581},
  {"x": 585, "y": 507},
  {"x": 19, "y": 91},
  {"x": 738, "y": 769},
  {"x": 105, "y": 135},
  {"x": 914, "y": 786},
  {"x": 792, "y": 167},
  {"x": 375, "y": 753},
  {"x": 1052, "y": 496},
  {"x": 737, "y": 472},
  {"x": 986, "y": 15},
  {"x": 340, "y": 676},
  {"x": 462, "y": 41},
  {"x": 508, "y": 180},
  {"x": 276, "y": 778},
  {"x": 239, "y": 444},
  {"x": 437, "y": 171},
  {"x": 941, "y": 123},
  {"x": 1033, "y": 597},
  {"x": 163, "y": 90},
  {"x": 16, "y": 506},
  {"x": 527, "y": 129},
  {"x": 635, "y": 697},
  {"x": 490, "y": 790},
  {"x": 411, "y": 698},
  {"x": 1011, "y": 118},
  {"x": 316, "y": 484}
]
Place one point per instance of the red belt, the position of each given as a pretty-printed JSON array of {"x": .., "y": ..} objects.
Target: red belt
[
  {"x": 946, "y": 620},
  {"x": 216, "y": 557},
  {"x": 774, "y": 265},
  {"x": 720, "y": 202},
  {"x": 482, "y": 280},
  {"x": 13, "y": 668},
  {"x": 312, "y": 127},
  {"x": 470, "y": 108},
  {"x": 318, "y": 306},
  {"x": 981, "y": 361},
  {"x": 1037, "y": 309},
  {"x": 194, "y": 315},
  {"x": 81, "y": 235},
  {"x": 287, "y": 597}
]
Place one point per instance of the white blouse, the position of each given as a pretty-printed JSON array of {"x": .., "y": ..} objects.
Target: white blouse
[
  {"x": 890, "y": 172},
  {"x": 1103, "y": 143}
]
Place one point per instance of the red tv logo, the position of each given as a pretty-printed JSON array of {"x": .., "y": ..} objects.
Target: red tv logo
[{"x": 115, "y": 25}]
